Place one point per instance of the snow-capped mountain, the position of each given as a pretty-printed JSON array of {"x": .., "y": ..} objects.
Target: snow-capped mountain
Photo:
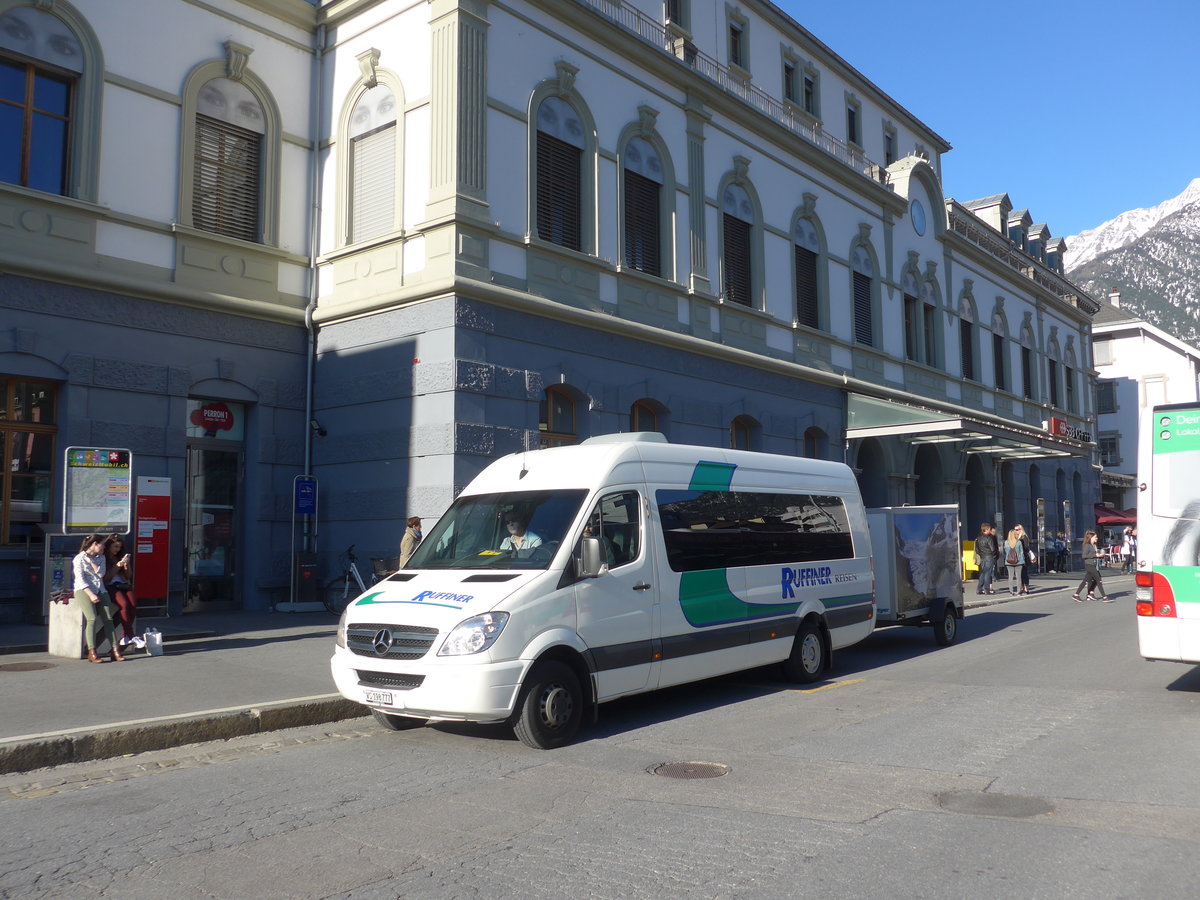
[
  {"x": 1126, "y": 228},
  {"x": 1152, "y": 257}
]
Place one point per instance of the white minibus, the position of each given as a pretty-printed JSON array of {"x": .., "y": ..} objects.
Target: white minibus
[
  {"x": 566, "y": 577},
  {"x": 1168, "y": 539}
]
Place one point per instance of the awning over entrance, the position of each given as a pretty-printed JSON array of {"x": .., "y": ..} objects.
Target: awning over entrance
[
  {"x": 1106, "y": 515},
  {"x": 871, "y": 417}
]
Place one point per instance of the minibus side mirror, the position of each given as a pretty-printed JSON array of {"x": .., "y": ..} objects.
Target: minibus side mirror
[{"x": 592, "y": 558}]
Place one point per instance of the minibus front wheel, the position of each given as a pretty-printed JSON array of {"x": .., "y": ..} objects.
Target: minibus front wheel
[
  {"x": 808, "y": 659},
  {"x": 550, "y": 708}
]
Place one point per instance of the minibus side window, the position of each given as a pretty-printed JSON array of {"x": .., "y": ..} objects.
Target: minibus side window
[
  {"x": 725, "y": 529},
  {"x": 616, "y": 520}
]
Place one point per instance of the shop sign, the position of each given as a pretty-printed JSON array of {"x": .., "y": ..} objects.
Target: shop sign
[
  {"x": 1064, "y": 429},
  {"x": 216, "y": 419}
]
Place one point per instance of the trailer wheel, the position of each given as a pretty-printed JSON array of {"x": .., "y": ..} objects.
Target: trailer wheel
[
  {"x": 807, "y": 659},
  {"x": 945, "y": 631},
  {"x": 550, "y": 708},
  {"x": 397, "y": 723}
]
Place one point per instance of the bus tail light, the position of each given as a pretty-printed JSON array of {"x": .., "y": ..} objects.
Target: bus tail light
[{"x": 1159, "y": 600}]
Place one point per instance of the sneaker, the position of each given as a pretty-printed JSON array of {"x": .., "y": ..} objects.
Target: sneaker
[
  {"x": 139, "y": 643},
  {"x": 1107, "y": 600},
  {"x": 1076, "y": 598},
  {"x": 1091, "y": 596}
]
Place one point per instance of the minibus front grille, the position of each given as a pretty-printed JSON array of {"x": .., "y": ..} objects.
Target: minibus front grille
[
  {"x": 382, "y": 641},
  {"x": 388, "y": 680}
]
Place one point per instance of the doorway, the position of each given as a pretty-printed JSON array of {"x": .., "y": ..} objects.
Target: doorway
[{"x": 214, "y": 488}]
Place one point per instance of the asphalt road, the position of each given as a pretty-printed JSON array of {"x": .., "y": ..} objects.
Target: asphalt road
[{"x": 1038, "y": 757}]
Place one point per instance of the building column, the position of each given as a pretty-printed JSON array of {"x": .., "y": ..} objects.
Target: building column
[
  {"x": 697, "y": 118},
  {"x": 458, "y": 99}
]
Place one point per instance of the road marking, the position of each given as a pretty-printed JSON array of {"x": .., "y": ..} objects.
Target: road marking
[{"x": 826, "y": 687}]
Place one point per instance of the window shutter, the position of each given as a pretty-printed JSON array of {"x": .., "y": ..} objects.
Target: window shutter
[
  {"x": 559, "y": 185},
  {"x": 864, "y": 327},
  {"x": 226, "y": 189},
  {"x": 737, "y": 261},
  {"x": 998, "y": 362},
  {"x": 807, "y": 311},
  {"x": 643, "y": 234},
  {"x": 373, "y": 184},
  {"x": 967, "y": 349}
]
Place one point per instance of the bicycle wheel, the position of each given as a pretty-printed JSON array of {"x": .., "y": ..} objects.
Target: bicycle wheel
[{"x": 338, "y": 593}]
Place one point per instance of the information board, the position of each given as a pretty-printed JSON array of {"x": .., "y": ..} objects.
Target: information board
[{"x": 97, "y": 495}]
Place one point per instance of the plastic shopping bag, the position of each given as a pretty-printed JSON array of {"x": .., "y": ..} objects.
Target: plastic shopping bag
[{"x": 154, "y": 642}]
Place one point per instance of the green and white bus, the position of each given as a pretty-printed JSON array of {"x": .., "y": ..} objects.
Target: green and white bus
[{"x": 1168, "y": 563}]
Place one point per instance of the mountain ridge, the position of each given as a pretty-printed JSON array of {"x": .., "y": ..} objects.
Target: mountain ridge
[{"x": 1150, "y": 256}]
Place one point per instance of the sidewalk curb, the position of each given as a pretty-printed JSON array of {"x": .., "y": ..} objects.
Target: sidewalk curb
[{"x": 28, "y": 752}]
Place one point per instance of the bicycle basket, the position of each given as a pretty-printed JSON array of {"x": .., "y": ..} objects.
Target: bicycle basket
[{"x": 384, "y": 567}]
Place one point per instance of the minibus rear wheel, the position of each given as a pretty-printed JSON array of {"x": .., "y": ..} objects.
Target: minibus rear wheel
[
  {"x": 807, "y": 660},
  {"x": 550, "y": 708}
]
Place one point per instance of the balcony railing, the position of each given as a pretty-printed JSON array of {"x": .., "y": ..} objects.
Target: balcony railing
[
  {"x": 967, "y": 224},
  {"x": 657, "y": 35}
]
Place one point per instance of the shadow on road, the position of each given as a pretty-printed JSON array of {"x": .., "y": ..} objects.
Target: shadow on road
[
  {"x": 882, "y": 648},
  {"x": 1188, "y": 682}
]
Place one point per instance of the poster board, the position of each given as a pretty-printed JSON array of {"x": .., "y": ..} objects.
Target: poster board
[{"x": 97, "y": 495}]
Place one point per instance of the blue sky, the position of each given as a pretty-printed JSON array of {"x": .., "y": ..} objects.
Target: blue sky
[{"x": 1078, "y": 109}]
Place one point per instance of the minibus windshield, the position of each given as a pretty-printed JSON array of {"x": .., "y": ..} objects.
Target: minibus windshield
[{"x": 516, "y": 530}]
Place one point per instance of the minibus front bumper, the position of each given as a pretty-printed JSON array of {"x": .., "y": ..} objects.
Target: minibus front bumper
[{"x": 449, "y": 689}]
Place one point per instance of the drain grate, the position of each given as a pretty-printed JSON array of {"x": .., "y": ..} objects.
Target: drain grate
[
  {"x": 689, "y": 770},
  {"x": 25, "y": 666}
]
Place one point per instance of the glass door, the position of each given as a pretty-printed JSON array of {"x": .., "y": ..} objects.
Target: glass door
[{"x": 213, "y": 503}]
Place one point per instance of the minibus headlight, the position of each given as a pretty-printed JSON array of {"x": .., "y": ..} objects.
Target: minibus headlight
[
  {"x": 341, "y": 629},
  {"x": 474, "y": 635}
]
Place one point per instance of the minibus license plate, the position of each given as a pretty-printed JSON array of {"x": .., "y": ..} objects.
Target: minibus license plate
[{"x": 383, "y": 698}]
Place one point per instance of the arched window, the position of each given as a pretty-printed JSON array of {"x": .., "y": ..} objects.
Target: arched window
[
  {"x": 737, "y": 225},
  {"x": 743, "y": 433},
  {"x": 1000, "y": 362},
  {"x": 643, "y": 185},
  {"x": 643, "y": 417},
  {"x": 560, "y": 150},
  {"x": 50, "y": 74},
  {"x": 968, "y": 333},
  {"x": 806, "y": 250},
  {"x": 373, "y": 135},
  {"x": 28, "y": 434},
  {"x": 556, "y": 418},
  {"x": 228, "y": 157},
  {"x": 863, "y": 277}
]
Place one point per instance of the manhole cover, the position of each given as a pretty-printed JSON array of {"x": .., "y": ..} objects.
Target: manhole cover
[
  {"x": 689, "y": 770},
  {"x": 25, "y": 667},
  {"x": 985, "y": 804}
]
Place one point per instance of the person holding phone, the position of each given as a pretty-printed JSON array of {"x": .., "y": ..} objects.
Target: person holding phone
[
  {"x": 91, "y": 597},
  {"x": 118, "y": 579}
]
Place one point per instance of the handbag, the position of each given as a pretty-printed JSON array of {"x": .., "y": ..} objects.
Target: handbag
[
  {"x": 1032, "y": 556},
  {"x": 154, "y": 642}
]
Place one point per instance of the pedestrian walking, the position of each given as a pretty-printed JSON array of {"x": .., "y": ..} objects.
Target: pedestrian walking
[
  {"x": 986, "y": 551},
  {"x": 1091, "y": 571},
  {"x": 1014, "y": 561},
  {"x": 412, "y": 537}
]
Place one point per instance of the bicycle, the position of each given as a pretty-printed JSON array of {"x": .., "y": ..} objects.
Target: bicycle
[{"x": 340, "y": 590}]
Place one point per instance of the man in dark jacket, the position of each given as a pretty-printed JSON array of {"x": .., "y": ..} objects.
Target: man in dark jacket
[{"x": 987, "y": 551}]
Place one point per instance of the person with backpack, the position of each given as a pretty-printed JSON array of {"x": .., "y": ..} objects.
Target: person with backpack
[{"x": 1013, "y": 553}]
